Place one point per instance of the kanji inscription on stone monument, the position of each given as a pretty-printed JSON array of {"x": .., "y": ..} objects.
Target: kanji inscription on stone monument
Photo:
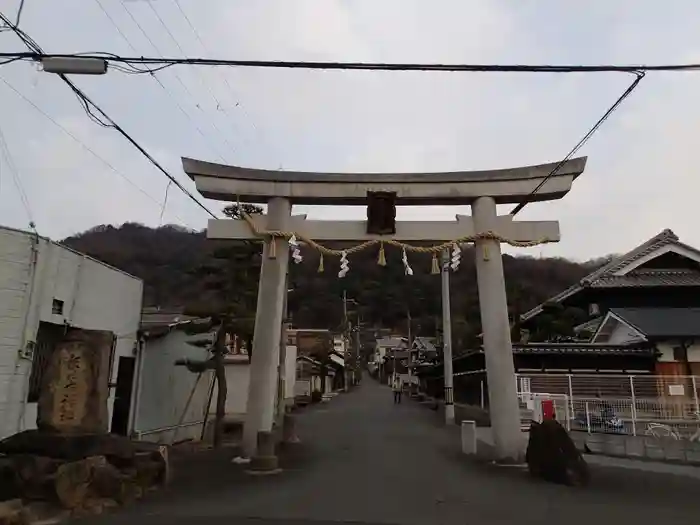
[{"x": 71, "y": 388}]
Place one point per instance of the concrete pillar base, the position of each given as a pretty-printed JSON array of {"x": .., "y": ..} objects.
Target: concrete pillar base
[
  {"x": 510, "y": 462},
  {"x": 265, "y": 461}
]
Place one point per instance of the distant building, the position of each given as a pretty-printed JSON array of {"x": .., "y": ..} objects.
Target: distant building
[{"x": 389, "y": 354}]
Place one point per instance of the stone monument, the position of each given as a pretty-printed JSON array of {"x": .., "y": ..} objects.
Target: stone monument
[{"x": 75, "y": 389}]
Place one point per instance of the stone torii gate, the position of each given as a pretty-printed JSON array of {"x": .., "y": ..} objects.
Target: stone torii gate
[{"x": 483, "y": 190}]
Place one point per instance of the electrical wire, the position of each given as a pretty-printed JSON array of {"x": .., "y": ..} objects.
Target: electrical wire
[
  {"x": 177, "y": 76},
  {"x": 165, "y": 203},
  {"x": 219, "y": 105},
  {"x": 87, "y": 148},
  {"x": 31, "y": 44},
  {"x": 528, "y": 198},
  {"x": 19, "y": 12},
  {"x": 374, "y": 66},
  {"x": 7, "y": 155},
  {"x": 10, "y": 60},
  {"x": 234, "y": 97},
  {"x": 209, "y": 143}
]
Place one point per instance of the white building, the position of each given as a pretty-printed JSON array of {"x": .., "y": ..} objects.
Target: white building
[
  {"x": 383, "y": 347},
  {"x": 238, "y": 381},
  {"x": 44, "y": 288},
  {"x": 171, "y": 401}
]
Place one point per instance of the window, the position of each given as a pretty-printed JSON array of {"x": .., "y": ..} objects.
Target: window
[
  {"x": 680, "y": 353},
  {"x": 57, "y": 307}
]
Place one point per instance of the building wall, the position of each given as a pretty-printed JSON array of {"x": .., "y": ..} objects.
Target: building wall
[
  {"x": 33, "y": 273},
  {"x": 290, "y": 373},
  {"x": 16, "y": 276},
  {"x": 623, "y": 334},
  {"x": 666, "y": 352},
  {"x": 237, "y": 380},
  {"x": 169, "y": 395}
]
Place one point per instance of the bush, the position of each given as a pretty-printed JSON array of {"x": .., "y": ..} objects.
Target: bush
[
  {"x": 316, "y": 396},
  {"x": 552, "y": 455}
]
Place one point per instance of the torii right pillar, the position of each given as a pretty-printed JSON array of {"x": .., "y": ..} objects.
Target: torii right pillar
[{"x": 495, "y": 326}]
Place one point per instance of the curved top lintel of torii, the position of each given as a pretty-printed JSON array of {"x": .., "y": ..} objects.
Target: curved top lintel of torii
[{"x": 231, "y": 183}]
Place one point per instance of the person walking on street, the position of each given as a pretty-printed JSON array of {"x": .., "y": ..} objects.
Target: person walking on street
[{"x": 397, "y": 386}]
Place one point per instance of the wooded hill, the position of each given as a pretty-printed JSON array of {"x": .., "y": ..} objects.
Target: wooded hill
[{"x": 169, "y": 259}]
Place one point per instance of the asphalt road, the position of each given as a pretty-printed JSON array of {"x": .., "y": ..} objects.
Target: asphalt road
[{"x": 364, "y": 460}]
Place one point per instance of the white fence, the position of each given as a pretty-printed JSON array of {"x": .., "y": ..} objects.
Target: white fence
[{"x": 636, "y": 405}]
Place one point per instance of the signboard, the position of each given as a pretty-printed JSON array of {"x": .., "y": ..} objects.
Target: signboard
[{"x": 676, "y": 390}]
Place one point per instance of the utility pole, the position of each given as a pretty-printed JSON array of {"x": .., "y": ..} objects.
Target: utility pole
[
  {"x": 357, "y": 372},
  {"x": 447, "y": 339},
  {"x": 410, "y": 345},
  {"x": 346, "y": 339}
]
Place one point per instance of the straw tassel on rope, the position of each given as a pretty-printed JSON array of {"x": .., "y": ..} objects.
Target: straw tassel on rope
[
  {"x": 272, "y": 251},
  {"x": 320, "y": 263},
  {"x": 435, "y": 266},
  {"x": 381, "y": 260}
]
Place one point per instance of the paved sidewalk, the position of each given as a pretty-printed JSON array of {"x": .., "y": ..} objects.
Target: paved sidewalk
[{"x": 366, "y": 460}]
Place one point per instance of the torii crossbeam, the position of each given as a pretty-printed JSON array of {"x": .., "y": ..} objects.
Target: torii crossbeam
[{"x": 481, "y": 189}]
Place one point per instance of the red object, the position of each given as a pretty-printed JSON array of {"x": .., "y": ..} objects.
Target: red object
[{"x": 548, "y": 409}]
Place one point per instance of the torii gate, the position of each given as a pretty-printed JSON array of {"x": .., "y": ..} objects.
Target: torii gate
[{"x": 483, "y": 190}]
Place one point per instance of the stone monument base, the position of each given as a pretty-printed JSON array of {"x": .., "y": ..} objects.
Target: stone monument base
[{"x": 83, "y": 473}]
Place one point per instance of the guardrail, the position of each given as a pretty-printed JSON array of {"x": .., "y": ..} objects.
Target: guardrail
[{"x": 656, "y": 406}]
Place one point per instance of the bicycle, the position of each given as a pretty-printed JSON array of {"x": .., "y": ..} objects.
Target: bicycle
[
  {"x": 696, "y": 435},
  {"x": 660, "y": 430}
]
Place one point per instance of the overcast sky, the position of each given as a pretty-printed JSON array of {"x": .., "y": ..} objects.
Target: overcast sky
[{"x": 641, "y": 175}]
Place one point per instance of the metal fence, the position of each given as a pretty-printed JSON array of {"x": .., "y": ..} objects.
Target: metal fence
[{"x": 625, "y": 404}]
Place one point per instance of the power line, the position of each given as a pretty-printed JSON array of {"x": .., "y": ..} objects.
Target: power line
[
  {"x": 219, "y": 106},
  {"x": 370, "y": 66},
  {"x": 5, "y": 150},
  {"x": 189, "y": 117},
  {"x": 83, "y": 145},
  {"x": 19, "y": 12},
  {"x": 89, "y": 105},
  {"x": 234, "y": 96},
  {"x": 528, "y": 198}
]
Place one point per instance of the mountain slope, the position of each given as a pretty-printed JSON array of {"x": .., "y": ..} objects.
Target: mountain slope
[{"x": 166, "y": 259}]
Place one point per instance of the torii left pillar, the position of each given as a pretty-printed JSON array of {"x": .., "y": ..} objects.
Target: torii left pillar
[{"x": 262, "y": 389}]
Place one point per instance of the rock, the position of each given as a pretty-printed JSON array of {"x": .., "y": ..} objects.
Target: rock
[
  {"x": 151, "y": 469},
  {"x": 108, "y": 483},
  {"x": 73, "y": 481},
  {"x": 9, "y": 485},
  {"x": 34, "y": 476},
  {"x": 552, "y": 455},
  {"x": 43, "y": 512},
  {"x": 11, "y": 512}
]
